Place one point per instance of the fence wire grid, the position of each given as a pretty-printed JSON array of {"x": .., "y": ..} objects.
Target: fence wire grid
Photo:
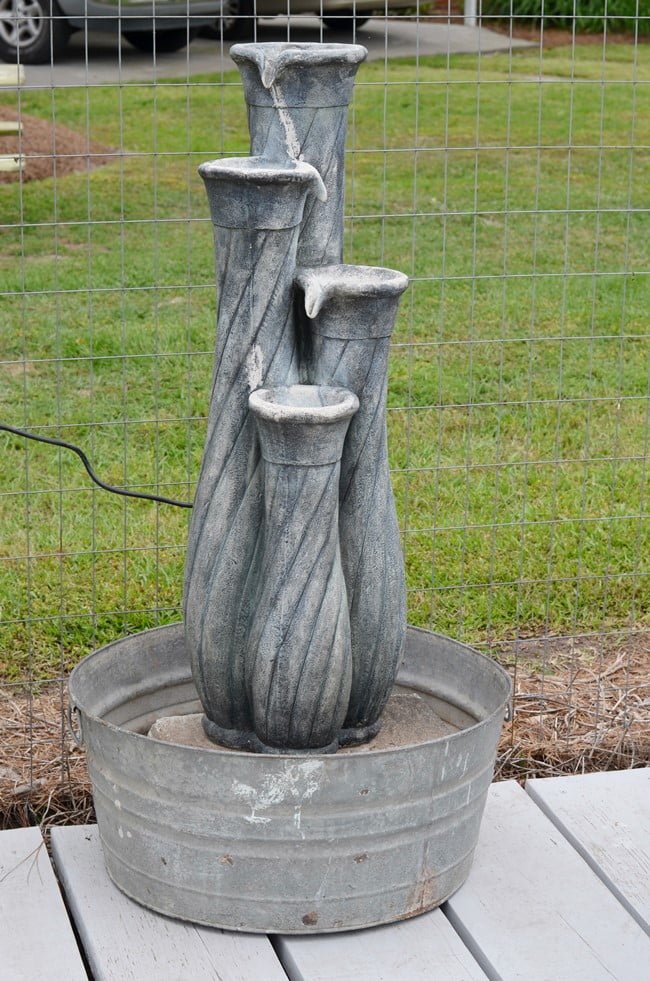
[{"x": 505, "y": 167}]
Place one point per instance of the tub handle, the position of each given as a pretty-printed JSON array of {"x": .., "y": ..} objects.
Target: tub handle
[{"x": 74, "y": 725}]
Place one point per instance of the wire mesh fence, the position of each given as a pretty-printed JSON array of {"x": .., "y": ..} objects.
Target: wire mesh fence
[{"x": 505, "y": 168}]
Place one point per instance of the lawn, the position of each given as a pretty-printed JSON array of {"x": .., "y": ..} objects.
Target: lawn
[{"x": 514, "y": 192}]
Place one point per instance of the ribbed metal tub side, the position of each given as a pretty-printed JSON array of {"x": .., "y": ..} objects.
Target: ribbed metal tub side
[{"x": 291, "y": 844}]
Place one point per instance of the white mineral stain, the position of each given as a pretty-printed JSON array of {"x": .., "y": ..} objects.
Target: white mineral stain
[
  {"x": 296, "y": 782},
  {"x": 315, "y": 296},
  {"x": 249, "y": 794},
  {"x": 254, "y": 368},
  {"x": 290, "y": 135}
]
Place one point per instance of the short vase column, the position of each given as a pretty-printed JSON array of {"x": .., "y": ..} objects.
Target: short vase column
[
  {"x": 256, "y": 210},
  {"x": 299, "y": 659},
  {"x": 298, "y": 97},
  {"x": 352, "y": 310}
]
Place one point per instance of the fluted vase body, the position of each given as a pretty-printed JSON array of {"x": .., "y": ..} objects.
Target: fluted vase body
[
  {"x": 299, "y": 660},
  {"x": 298, "y": 97},
  {"x": 256, "y": 211},
  {"x": 351, "y": 312}
]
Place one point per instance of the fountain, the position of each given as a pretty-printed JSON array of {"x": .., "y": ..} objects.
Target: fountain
[{"x": 291, "y": 758}]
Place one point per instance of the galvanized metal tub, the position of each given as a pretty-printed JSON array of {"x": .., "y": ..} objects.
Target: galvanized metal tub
[{"x": 287, "y": 844}]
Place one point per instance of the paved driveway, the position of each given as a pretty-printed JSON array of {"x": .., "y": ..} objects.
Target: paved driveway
[{"x": 103, "y": 62}]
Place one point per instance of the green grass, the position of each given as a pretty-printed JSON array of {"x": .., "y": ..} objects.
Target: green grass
[{"x": 521, "y": 348}]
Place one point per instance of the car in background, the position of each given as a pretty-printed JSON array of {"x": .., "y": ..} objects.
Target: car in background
[
  {"x": 35, "y": 32},
  {"x": 238, "y": 17}
]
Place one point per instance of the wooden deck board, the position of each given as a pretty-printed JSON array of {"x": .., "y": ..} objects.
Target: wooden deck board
[
  {"x": 36, "y": 939},
  {"x": 125, "y": 942},
  {"x": 533, "y": 909},
  {"x": 422, "y": 949},
  {"x": 606, "y": 817}
]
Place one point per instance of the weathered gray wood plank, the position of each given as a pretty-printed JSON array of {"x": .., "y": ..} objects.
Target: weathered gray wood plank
[
  {"x": 36, "y": 939},
  {"x": 606, "y": 817},
  {"x": 125, "y": 942},
  {"x": 422, "y": 949},
  {"x": 533, "y": 909}
]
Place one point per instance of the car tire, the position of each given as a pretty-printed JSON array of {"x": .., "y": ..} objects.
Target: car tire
[
  {"x": 164, "y": 42},
  {"x": 346, "y": 21},
  {"x": 32, "y": 32},
  {"x": 237, "y": 22}
]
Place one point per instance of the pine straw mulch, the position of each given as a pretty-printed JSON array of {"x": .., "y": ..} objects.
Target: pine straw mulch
[
  {"x": 43, "y": 776},
  {"x": 579, "y": 706},
  {"x": 49, "y": 149}
]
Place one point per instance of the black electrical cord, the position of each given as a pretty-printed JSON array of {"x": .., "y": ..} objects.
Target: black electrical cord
[{"x": 91, "y": 473}]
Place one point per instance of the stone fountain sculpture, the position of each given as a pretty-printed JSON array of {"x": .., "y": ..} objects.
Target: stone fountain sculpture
[
  {"x": 278, "y": 807},
  {"x": 295, "y": 616}
]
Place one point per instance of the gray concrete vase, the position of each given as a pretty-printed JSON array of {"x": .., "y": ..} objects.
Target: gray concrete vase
[
  {"x": 350, "y": 315},
  {"x": 256, "y": 209},
  {"x": 298, "y": 97},
  {"x": 299, "y": 666}
]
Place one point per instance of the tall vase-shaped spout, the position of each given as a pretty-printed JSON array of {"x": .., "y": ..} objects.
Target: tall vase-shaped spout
[
  {"x": 256, "y": 210},
  {"x": 352, "y": 310},
  {"x": 299, "y": 662},
  {"x": 298, "y": 97}
]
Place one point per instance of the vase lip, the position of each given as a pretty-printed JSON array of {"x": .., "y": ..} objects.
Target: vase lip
[
  {"x": 261, "y": 170},
  {"x": 273, "y": 57},
  {"x": 320, "y": 283},
  {"x": 320, "y": 404}
]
